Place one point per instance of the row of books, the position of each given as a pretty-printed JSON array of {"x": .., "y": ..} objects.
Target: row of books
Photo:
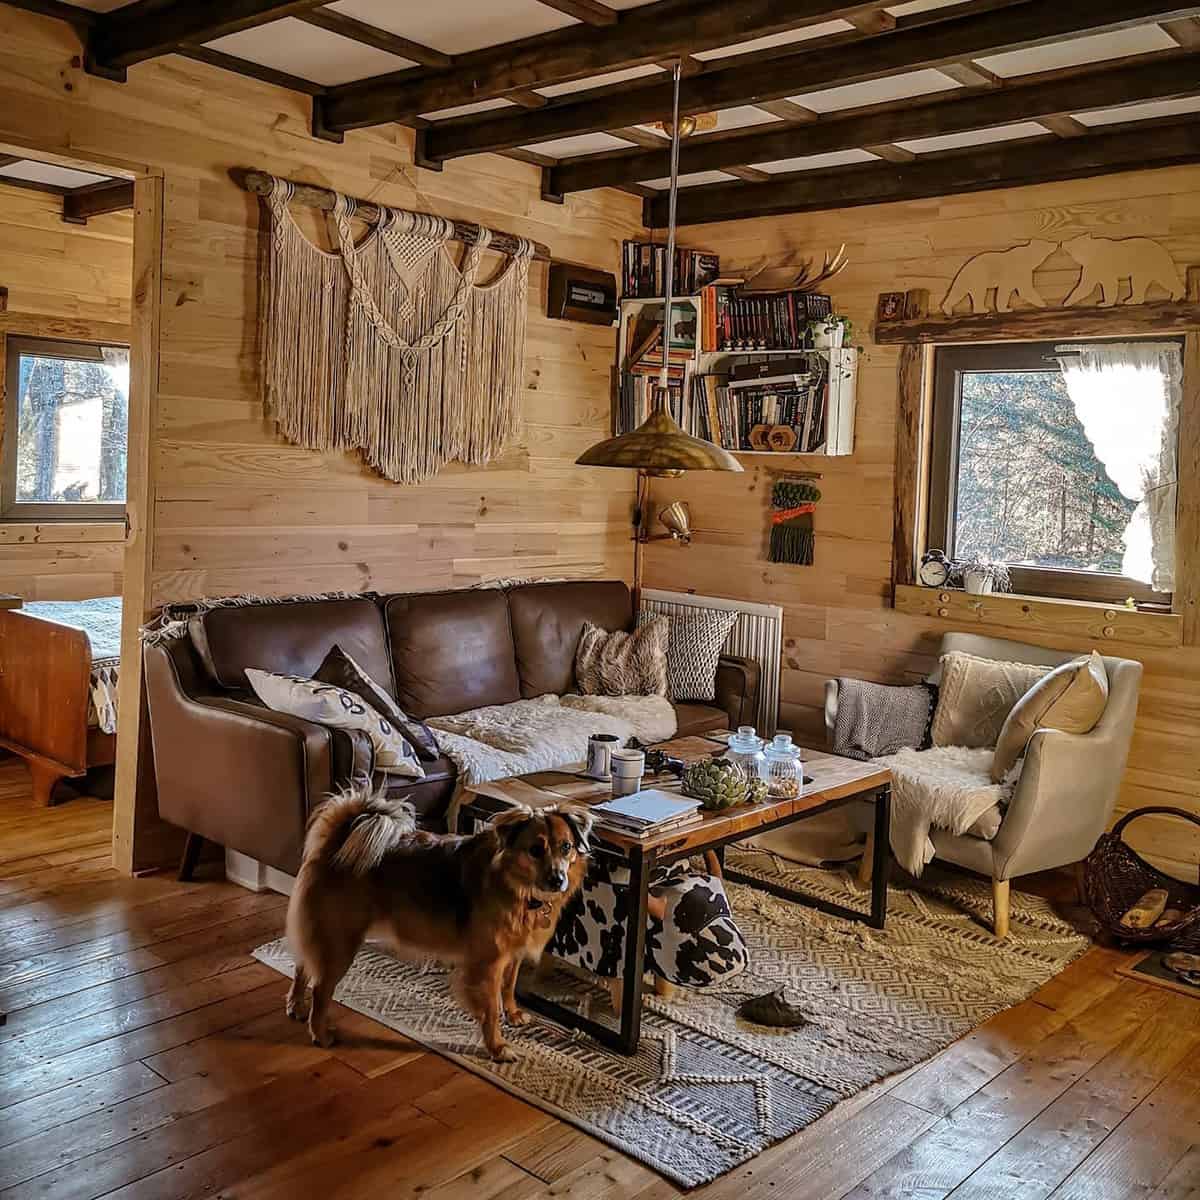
[
  {"x": 734, "y": 320},
  {"x": 644, "y": 270},
  {"x": 636, "y": 400}
]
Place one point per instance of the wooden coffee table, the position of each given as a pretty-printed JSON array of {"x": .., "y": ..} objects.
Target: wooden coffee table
[{"x": 834, "y": 782}]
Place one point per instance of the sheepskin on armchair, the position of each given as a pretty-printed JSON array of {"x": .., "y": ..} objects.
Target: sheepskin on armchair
[{"x": 1060, "y": 794}]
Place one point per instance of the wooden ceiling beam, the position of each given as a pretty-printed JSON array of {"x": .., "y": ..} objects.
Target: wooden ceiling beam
[
  {"x": 371, "y": 35},
  {"x": 96, "y": 200},
  {"x": 251, "y": 70},
  {"x": 982, "y": 168},
  {"x": 933, "y": 45},
  {"x": 149, "y": 28},
  {"x": 971, "y": 74},
  {"x": 1185, "y": 31},
  {"x": 641, "y": 36},
  {"x": 591, "y": 12},
  {"x": 788, "y": 110},
  {"x": 81, "y": 18},
  {"x": 1169, "y": 76}
]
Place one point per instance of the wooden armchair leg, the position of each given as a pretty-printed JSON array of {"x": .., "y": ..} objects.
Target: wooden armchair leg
[
  {"x": 864, "y": 866},
  {"x": 664, "y": 988},
  {"x": 44, "y": 778},
  {"x": 1000, "y": 896},
  {"x": 191, "y": 856}
]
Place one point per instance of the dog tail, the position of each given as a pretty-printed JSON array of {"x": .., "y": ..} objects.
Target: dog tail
[{"x": 355, "y": 829}]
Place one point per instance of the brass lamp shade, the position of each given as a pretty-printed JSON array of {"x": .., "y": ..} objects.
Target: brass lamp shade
[
  {"x": 676, "y": 518},
  {"x": 659, "y": 447}
]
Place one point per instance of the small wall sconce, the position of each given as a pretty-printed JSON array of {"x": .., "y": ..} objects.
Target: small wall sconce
[{"x": 677, "y": 518}]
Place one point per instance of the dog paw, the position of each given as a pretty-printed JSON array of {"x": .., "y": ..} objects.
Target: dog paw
[
  {"x": 518, "y": 1016},
  {"x": 324, "y": 1040},
  {"x": 504, "y": 1054},
  {"x": 296, "y": 1012}
]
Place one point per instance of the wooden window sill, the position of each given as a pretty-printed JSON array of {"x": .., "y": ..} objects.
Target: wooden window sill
[
  {"x": 47, "y": 533},
  {"x": 1009, "y": 615}
]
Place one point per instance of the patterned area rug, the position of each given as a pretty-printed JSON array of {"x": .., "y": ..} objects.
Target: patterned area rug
[{"x": 708, "y": 1090}]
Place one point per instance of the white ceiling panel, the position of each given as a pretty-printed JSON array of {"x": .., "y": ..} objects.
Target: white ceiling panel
[
  {"x": 595, "y": 81},
  {"x": 974, "y": 137},
  {"x": 876, "y": 91},
  {"x": 694, "y": 179},
  {"x": 742, "y": 115},
  {"x": 48, "y": 173},
  {"x": 787, "y": 38},
  {"x": 466, "y": 110},
  {"x": 580, "y": 143},
  {"x": 311, "y": 53},
  {"x": 920, "y": 6},
  {"x": 814, "y": 162},
  {"x": 1140, "y": 112},
  {"x": 1097, "y": 48},
  {"x": 458, "y": 26}
]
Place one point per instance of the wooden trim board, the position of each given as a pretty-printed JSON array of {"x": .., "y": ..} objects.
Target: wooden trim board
[{"x": 1096, "y": 623}]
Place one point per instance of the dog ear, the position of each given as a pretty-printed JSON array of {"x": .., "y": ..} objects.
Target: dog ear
[
  {"x": 511, "y": 821},
  {"x": 580, "y": 820}
]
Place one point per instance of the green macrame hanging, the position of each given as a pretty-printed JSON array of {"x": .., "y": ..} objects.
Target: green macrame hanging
[{"x": 792, "y": 506}]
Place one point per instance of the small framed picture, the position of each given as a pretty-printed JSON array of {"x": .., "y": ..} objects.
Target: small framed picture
[{"x": 890, "y": 307}]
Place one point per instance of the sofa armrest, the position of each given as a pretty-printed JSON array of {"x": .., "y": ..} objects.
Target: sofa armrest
[
  {"x": 232, "y": 771},
  {"x": 737, "y": 687}
]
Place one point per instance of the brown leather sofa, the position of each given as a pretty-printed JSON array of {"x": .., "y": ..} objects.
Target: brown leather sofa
[{"x": 235, "y": 773}]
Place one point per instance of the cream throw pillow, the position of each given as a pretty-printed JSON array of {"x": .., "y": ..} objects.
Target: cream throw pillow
[
  {"x": 623, "y": 664},
  {"x": 1071, "y": 698},
  {"x": 976, "y": 696}
]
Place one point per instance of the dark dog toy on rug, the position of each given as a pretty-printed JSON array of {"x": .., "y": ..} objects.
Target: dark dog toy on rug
[{"x": 792, "y": 504}]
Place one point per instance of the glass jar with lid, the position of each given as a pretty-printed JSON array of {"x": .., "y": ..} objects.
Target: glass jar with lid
[
  {"x": 746, "y": 753},
  {"x": 785, "y": 768}
]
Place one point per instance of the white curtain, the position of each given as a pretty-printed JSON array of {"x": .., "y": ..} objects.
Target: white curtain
[{"x": 1127, "y": 397}]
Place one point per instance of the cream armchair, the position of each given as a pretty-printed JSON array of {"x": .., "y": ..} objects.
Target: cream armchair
[{"x": 1068, "y": 785}]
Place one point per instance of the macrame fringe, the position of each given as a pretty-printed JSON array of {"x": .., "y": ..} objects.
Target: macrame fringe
[
  {"x": 416, "y": 366},
  {"x": 171, "y": 623}
]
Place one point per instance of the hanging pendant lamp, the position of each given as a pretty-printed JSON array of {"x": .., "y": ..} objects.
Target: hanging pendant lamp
[{"x": 659, "y": 446}]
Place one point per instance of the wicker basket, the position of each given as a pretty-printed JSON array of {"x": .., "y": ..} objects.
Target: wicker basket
[{"x": 1115, "y": 877}]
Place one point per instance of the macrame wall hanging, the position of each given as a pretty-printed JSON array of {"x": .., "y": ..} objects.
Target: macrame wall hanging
[
  {"x": 793, "y": 501},
  {"x": 387, "y": 346}
]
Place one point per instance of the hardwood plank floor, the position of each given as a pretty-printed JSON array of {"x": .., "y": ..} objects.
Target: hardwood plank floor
[{"x": 146, "y": 1056}]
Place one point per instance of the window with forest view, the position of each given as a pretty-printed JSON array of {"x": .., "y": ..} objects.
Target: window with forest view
[
  {"x": 66, "y": 429},
  {"x": 1051, "y": 469}
]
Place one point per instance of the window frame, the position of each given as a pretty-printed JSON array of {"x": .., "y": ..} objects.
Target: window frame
[
  {"x": 949, "y": 364},
  {"x": 43, "y": 512}
]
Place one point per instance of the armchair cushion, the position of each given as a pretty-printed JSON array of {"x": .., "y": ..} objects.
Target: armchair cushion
[
  {"x": 1071, "y": 698},
  {"x": 976, "y": 696},
  {"x": 873, "y": 719}
]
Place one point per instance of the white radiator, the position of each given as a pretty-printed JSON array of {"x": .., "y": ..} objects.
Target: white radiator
[{"x": 757, "y": 635}]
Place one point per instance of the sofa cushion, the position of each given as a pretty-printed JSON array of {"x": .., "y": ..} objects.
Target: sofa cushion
[
  {"x": 451, "y": 651},
  {"x": 547, "y": 620},
  {"x": 290, "y": 639},
  {"x": 429, "y": 796},
  {"x": 699, "y": 718},
  {"x": 623, "y": 664}
]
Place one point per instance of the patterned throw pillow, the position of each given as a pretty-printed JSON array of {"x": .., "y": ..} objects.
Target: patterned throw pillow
[
  {"x": 623, "y": 664},
  {"x": 334, "y": 706},
  {"x": 693, "y": 649},
  {"x": 976, "y": 696},
  {"x": 342, "y": 671}
]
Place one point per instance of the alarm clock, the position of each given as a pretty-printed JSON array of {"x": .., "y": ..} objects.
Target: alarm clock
[{"x": 934, "y": 570}]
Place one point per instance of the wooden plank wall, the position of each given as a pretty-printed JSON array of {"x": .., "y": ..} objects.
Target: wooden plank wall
[
  {"x": 56, "y": 273},
  {"x": 238, "y": 510},
  {"x": 839, "y": 620}
]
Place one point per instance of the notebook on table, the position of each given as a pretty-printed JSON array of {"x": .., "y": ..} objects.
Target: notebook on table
[{"x": 646, "y": 812}]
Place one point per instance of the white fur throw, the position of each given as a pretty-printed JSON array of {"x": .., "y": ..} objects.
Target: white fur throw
[
  {"x": 945, "y": 787},
  {"x": 503, "y": 740}
]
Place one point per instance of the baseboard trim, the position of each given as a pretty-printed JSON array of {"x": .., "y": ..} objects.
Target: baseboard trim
[{"x": 255, "y": 876}]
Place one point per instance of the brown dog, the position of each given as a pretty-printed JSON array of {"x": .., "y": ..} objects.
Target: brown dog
[{"x": 487, "y": 902}]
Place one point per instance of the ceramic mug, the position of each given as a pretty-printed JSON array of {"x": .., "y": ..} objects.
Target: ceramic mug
[
  {"x": 628, "y": 767},
  {"x": 599, "y": 755}
]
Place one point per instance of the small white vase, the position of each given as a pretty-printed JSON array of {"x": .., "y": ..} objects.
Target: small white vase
[{"x": 977, "y": 583}]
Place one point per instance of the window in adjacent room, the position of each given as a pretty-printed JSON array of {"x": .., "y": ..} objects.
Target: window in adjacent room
[
  {"x": 1059, "y": 459},
  {"x": 65, "y": 430}
]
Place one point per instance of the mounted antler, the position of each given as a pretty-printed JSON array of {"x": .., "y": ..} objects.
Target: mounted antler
[{"x": 805, "y": 281}]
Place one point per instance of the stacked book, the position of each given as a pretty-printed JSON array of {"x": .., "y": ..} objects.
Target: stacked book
[
  {"x": 731, "y": 319},
  {"x": 645, "y": 813},
  {"x": 644, "y": 270}
]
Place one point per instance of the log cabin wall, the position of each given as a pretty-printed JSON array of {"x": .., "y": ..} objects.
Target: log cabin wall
[
  {"x": 239, "y": 510},
  {"x": 838, "y": 614},
  {"x": 63, "y": 281}
]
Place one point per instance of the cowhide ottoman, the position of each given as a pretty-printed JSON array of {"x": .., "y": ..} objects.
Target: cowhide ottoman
[{"x": 691, "y": 937}]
